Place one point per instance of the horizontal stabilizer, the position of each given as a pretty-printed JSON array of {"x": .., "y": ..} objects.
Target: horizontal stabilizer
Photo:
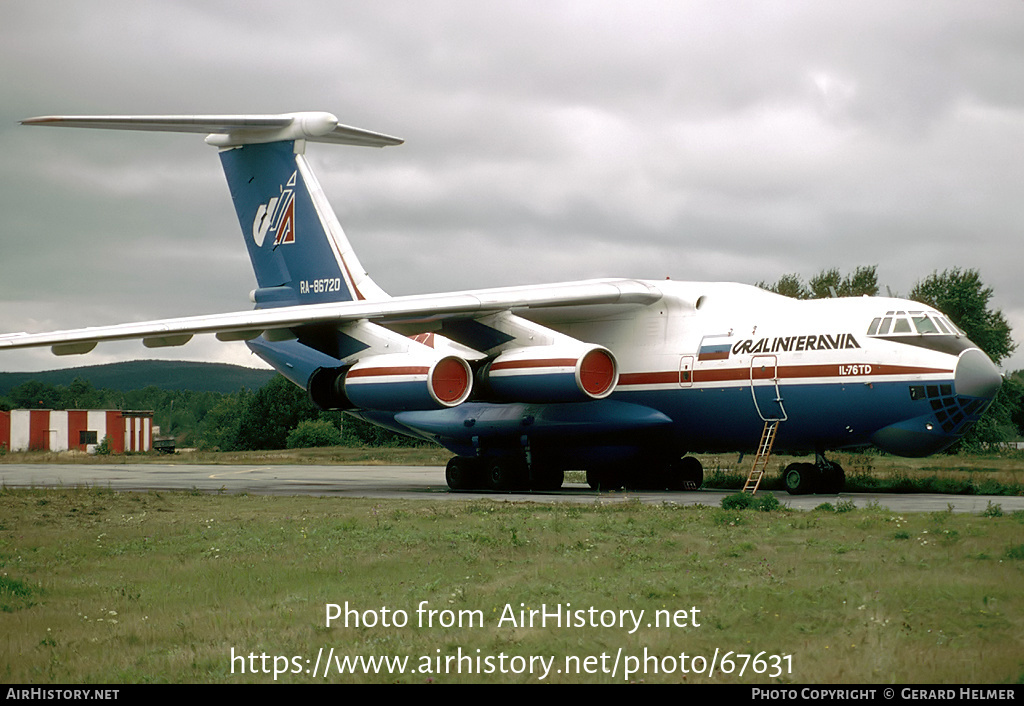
[{"x": 232, "y": 130}]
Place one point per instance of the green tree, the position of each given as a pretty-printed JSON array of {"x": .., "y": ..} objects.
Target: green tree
[
  {"x": 1016, "y": 380},
  {"x": 272, "y": 413},
  {"x": 81, "y": 394},
  {"x": 36, "y": 395},
  {"x": 999, "y": 424},
  {"x": 864, "y": 280},
  {"x": 791, "y": 286},
  {"x": 960, "y": 295},
  {"x": 312, "y": 433},
  {"x": 218, "y": 428}
]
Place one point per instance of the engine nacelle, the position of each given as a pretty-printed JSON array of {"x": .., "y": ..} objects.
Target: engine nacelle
[
  {"x": 326, "y": 388},
  {"x": 558, "y": 373},
  {"x": 407, "y": 381}
]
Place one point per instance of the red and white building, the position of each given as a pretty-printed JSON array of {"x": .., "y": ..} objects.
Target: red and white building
[{"x": 75, "y": 429}]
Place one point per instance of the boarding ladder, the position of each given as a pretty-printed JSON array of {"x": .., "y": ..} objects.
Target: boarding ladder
[{"x": 764, "y": 452}]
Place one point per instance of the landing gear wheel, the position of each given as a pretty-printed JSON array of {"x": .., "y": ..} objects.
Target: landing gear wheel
[
  {"x": 505, "y": 474},
  {"x": 800, "y": 478},
  {"x": 686, "y": 474},
  {"x": 833, "y": 478},
  {"x": 463, "y": 473}
]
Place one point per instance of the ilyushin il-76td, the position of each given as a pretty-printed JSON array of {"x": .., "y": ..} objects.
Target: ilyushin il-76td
[{"x": 621, "y": 378}]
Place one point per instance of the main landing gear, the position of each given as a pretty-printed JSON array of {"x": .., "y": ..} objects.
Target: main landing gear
[
  {"x": 503, "y": 473},
  {"x": 510, "y": 473},
  {"x": 823, "y": 476}
]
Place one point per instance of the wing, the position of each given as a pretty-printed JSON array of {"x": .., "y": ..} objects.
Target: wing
[{"x": 412, "y": 313}]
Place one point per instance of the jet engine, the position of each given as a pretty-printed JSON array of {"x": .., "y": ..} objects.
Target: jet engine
[
  {"x": 548, "y": 374},
  {"x": 393, "y": 382}
]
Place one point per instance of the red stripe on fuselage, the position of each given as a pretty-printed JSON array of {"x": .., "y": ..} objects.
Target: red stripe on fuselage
[
  {"x": 663, "y": 378},
  {"x": 788, "y": 372}
]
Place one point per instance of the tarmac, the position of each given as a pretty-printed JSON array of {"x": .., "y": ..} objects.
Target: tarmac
[{"x": 424, "y": 483}]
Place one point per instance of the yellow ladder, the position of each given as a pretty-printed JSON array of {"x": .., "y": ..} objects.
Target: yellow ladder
[{"x": 764, "y": 452}]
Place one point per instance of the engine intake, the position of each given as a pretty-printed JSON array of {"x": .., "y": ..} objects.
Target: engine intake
[
  {"x": 556, "y": 373},
  {"x": 403, "y": 381}
]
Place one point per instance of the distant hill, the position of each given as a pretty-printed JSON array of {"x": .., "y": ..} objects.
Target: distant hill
[{"x": 138, "y": 374}]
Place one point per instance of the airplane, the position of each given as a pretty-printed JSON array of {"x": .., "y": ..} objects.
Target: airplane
[{"x": 621, "y": 378}]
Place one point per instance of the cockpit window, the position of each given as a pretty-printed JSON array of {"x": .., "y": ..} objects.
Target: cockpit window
[
  {"x": 900, "y": 323},
  {"x": 923, "y": 324},
  {"x": 953, "y": 327}
]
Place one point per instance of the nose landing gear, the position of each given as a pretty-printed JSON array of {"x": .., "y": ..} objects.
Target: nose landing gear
[{"x": 823, "y": 477}]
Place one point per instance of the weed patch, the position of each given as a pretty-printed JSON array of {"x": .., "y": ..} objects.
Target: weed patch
[
  {"x": 766, "y": 502},
  {"x": 993, "y": 510},
  {"x": 15, "y": 594}
]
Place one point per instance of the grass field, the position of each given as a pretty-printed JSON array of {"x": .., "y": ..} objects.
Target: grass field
[{"x": 98, "y": 586}]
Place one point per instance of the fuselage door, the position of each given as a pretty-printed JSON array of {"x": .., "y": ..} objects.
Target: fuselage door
[
  {"x": 686, "y": 371},
  {"x": 764, "y": 386}
]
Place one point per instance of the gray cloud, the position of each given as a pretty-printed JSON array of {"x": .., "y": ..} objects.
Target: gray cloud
[{"x": 545, "y": 142}]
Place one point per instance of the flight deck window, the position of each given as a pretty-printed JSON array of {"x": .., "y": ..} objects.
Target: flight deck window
[
  {"x": 897, "y": 323},
  {"x": 924, "y": 325},
  {"x": 956, "y": 329}
]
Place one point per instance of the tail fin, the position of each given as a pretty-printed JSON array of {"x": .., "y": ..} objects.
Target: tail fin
[{"x": 297, "y": 247}]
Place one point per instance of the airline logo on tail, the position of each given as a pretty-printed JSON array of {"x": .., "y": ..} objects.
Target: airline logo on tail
[{"x": 277, "y": 216}]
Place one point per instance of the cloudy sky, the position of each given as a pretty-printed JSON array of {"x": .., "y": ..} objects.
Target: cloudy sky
[{"x": 545, "y": 141}]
